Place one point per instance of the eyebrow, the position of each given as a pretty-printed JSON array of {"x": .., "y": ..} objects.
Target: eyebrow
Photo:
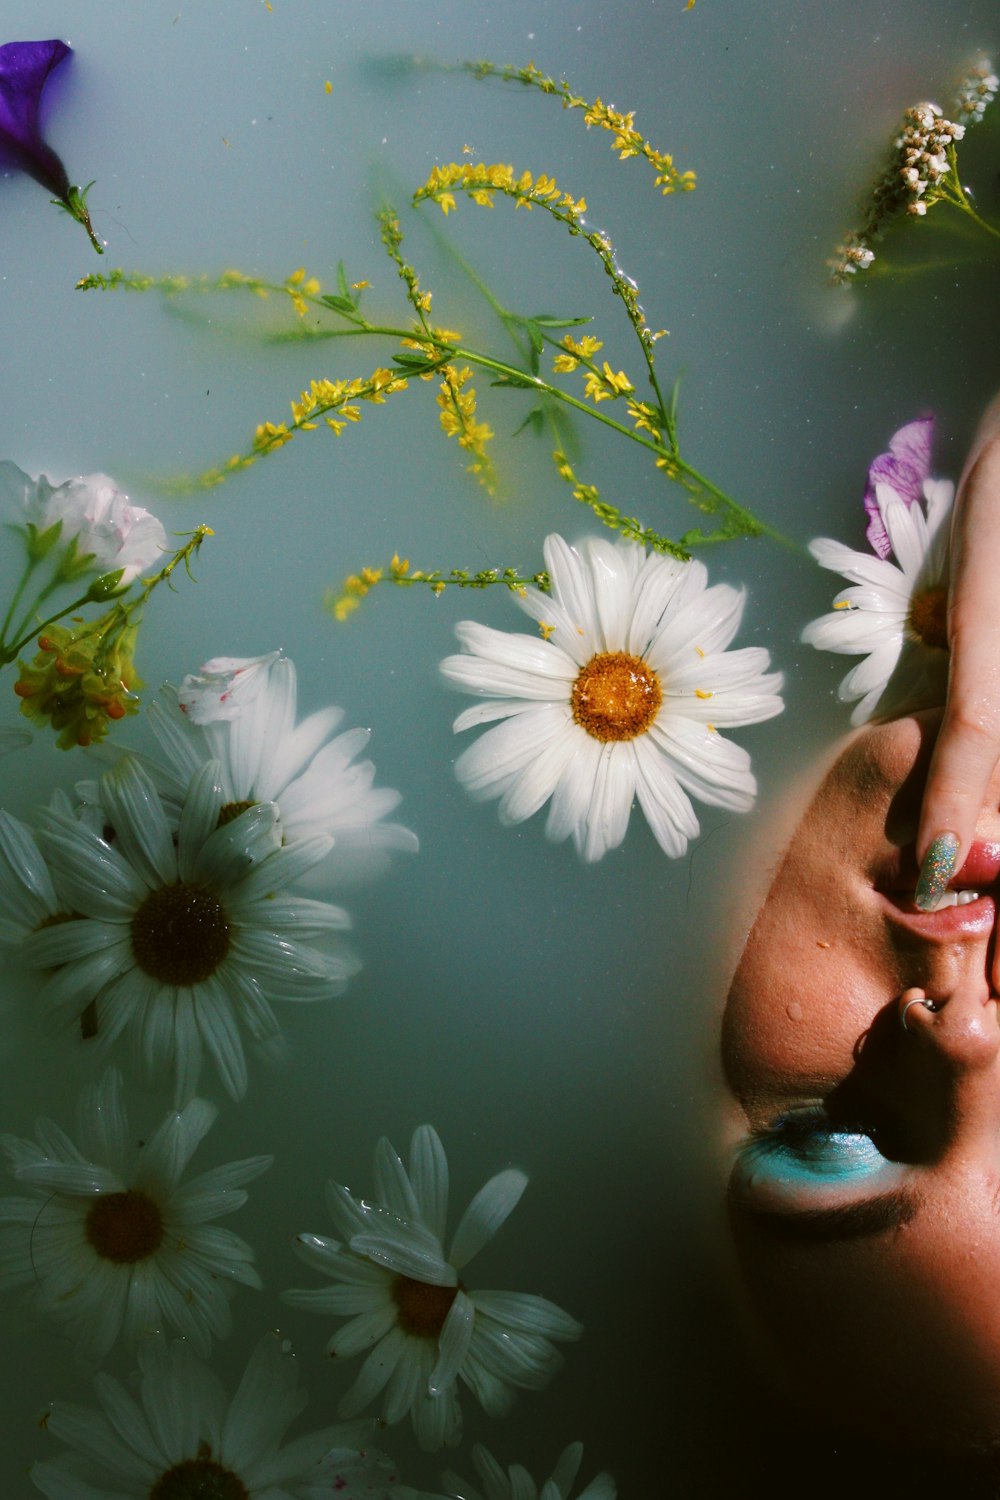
[{"x": 849, "y": 1221}]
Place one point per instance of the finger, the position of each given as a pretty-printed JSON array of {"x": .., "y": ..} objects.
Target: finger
[{"x": 968, "y": 745}]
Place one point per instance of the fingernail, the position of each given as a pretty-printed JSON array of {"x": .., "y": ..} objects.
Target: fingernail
[{"x": 936, "y": 871}]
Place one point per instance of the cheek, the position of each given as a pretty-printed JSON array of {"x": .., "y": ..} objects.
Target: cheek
[{"x": 798, "y": 1006}]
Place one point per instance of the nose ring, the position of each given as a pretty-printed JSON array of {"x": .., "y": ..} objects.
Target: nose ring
[{"x": 917, "y": 1000}]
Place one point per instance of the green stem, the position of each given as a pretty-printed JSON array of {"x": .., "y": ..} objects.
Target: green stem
[
  {"x": 32, "y": 564},
  {"x": 43, "y": 624}
]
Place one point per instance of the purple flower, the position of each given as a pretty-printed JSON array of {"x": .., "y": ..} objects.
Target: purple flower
[
  {"x": 904, "y": 469},
  {"x": 24, "y": 70}
]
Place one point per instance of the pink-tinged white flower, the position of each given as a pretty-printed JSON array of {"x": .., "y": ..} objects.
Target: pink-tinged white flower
[
  {"x": 425, "y": 1330},
  {"x": 185, "y": 1439},
  {"x": 305, "y": 768},
  {"x": 113, "y": 1242},
  {"x": 896, "y": 612},
  {"x": 224, "y": 687},
  {"x": 105, "y": 532},
  {"x": 623, "y": 698},
  {"x": 517, "y": 1483},
  {"x": 179, "y": 931}
]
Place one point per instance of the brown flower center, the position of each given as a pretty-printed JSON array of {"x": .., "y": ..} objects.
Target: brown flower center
[
  {"x": 232, "y": 810},
  {"x": 422, "y": 1307},
  {"x": 125, "y": 1227},
  {"x": 928, "y": 617},
  {"x": 616, "y": 696},
  {"x": 199, "y": 1478},
  {"x": 180, "y": 934}
]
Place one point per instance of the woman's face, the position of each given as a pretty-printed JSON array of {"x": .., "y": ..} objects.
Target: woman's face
[{"x": 865, "y": 1186}]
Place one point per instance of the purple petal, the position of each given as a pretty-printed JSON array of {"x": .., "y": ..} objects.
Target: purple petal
[
  {"x": 24, "y": 69},
  {"x": 905, "y": 467}
]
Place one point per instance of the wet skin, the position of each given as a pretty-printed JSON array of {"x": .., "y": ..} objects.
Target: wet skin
[{"x": 865, "y": 1190}]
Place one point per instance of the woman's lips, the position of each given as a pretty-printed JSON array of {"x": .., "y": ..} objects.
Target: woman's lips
[
  {"x": 979, "y": 872},
  {"x": 951, "y": 922}
]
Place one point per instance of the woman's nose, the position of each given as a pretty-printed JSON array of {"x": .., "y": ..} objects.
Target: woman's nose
[{"x": 960, "y": 1025}]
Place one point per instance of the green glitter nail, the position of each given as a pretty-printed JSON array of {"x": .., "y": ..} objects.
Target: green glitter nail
[{"x": 936, "y": 871}]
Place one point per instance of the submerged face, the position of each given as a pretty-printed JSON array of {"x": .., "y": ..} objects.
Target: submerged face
[{"x": 865, "y": 1187}]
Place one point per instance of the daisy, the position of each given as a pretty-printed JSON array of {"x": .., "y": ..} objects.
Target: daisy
[
  {"x": 624, "y": 696},
  {"x": 112, "y": 1242},
  {"x": 424, "y": 1328},
  {"x": 517, "y": 1483},
  {"x": 179, "y": 933},
  {"x": 187, "y": 1439},
  {"x": 896, "y": 614},
  {"x": 309, "y": 772}
]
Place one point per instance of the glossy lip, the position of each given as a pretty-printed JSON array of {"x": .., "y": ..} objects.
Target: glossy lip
[{"x": 896, "y": 882}]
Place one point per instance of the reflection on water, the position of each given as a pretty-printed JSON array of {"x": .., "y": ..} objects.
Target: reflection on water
[{"x": 545, "y": 1017}]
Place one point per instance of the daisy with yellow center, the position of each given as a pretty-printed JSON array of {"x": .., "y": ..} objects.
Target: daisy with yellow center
[
  {"x": 113, "y": 1243},
  {"x": 176, "y": 929},
  {"x": 623, "y": 698},
  {"x": 185, "y": 1439},
  {"x": 896, "y": 612},
  {"x": 424, "y": 1329}
]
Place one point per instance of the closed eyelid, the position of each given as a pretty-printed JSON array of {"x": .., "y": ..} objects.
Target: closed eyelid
[{"x": 863, "y": 1218}]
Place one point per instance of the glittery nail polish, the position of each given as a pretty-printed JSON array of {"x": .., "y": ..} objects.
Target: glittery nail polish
[{"x": 936, "y": 871}]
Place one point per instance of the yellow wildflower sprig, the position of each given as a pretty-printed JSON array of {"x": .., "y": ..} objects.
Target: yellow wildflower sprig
[
  {"x": 457, "y": 400},
  {"x": 391, "y": 235},
  {"x": 626, "y": 140},
  {"x": 480, "y": 180},
  {"x": 610, "y": 516},
  {"x": 344, "y": 602},
  {"x": 333, "y": 402},
  {"x": 171, "y": 286},
  {"x": 83, "y": 678}
]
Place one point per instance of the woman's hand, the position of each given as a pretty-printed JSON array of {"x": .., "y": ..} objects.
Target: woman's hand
[{"x": 968, "y": 744}]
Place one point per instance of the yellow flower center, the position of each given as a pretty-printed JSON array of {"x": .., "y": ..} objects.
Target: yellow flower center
[
  {"x": 616, "y": 696},
  {"x": 199, "y": 1478},
  {"x": 125, "y": 1227},
  {"x": 928, "y": 617},
  {"x": 422, "y": 1308},
  {"x": 231, "y": 810},
  {"x": 180, "y": 934}
]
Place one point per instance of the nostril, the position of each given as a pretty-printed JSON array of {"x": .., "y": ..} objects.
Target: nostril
[{"x": 910, "y": 998}]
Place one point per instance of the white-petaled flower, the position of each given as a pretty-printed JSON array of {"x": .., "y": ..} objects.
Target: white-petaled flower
[
  {"x": 424, "y": 1328},
  {"x": 187, "y": 1439},
  {"x": 180, "y": 933},
  {"x": 113, "y": 1243},
  {"x": 517, "y": 1483},
  {"x": 896, "y": 612},
  {"x": 310, "y": 773},
  {"x": 108, "y": 533},
  {"x": 624, "y": 697},
  {"x": 224, "y": 687}
]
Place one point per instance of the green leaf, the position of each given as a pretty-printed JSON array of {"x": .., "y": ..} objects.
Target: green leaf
[
  {"x": 338, "y": 304},
  {"x": 416, "y": 361},
  {"x": 517, "y": 382},
  {"x": 345, "y": 290},
  {"x": 544, "y": 320},
  {"x": 535, "y": 420}
]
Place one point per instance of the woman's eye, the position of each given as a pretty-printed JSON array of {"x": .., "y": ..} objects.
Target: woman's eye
[{"x": 808, "y": 1144}]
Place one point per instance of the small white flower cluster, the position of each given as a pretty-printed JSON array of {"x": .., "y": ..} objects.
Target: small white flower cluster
[
  {"x": 921, "y": 158},
  {"x": 977, "y": 89}
]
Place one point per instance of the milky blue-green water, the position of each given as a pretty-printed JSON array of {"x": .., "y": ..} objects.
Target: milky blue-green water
[{"x": 536, "y": 1011}]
